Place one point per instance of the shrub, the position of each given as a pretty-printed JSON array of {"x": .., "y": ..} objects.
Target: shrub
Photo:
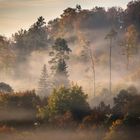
[{"x": 65, "y": 99}]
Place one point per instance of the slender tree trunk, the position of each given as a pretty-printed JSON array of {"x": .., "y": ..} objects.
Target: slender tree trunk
[
  {"x": 128, "y": 57},
  {"x": 110, "y": 63},
  {"x": 92, "y": 61},
  {"x": 93, "y": 69},
  {"x": 127, "y": 65},
  {"x": 111, "y": 35}
]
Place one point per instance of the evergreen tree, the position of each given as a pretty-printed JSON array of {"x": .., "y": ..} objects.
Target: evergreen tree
[
  {"x": 60, "y": 53},
  {"x": 61, "y": 74},
  {"x": 38, "y": 35},
  {"x": 44, "y": 83},
  {"x": 27, "y": 41},
  {"x": 7, "y": 57}
]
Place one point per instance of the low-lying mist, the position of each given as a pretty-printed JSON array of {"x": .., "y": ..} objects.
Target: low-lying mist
[{"x": 54, "y": 135}]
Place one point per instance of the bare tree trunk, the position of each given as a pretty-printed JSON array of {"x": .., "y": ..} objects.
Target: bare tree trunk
[
  {"x": 111, "y": 35},
  {"x": 110, "y": 63},
  {"x": 127, "y": 65},
  {"x": 86, "y": 43},
  {"x": 93, "y": 69}
]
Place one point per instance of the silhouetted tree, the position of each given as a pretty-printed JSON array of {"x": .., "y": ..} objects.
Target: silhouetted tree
[
  {"x": 26, "y": 41},
  {"x": 60, "y": 53},
  {"x": 5, "y": 88},
  {"x": 132, "y": 14},
  {"x": 78, "y": 7},
  {"x": 20, "y": 44},
  {"x": 115, "y": 16},
  {"x": 123, "y": 98},
  {"x": 98, "y": 115},
  {"x": 38, "y": 35},
  {"x": 7, "y": 56}
]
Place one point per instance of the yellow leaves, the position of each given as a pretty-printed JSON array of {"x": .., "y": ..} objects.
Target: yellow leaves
[
  {"x": 66, "y": 99},
  {"x": 7, "y": 56},
  {"x": 115, "y": 124},
  {"x": 131, "y": 36},
  {"x": 131, "y": 31},
  {"x": 129, "y": 44},
  {"x": 41, "y": 113}
]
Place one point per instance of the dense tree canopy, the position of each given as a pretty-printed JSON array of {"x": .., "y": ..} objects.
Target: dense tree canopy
[
  {"x": 67, "y": 99},
  {"x": 7, "y": 55},
  {"x": 26, "y": 41}
]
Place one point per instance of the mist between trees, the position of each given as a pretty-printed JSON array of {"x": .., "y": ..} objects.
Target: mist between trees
[{"x": 80, "y": 71}]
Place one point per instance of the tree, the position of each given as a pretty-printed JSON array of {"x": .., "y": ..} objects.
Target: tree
[
  {"x": 133, "y": 108},
  {"x": 115, "y": 17},
  {"x": 44, "y": 83},
  {"x": 122, "y": 99},
  {"x": 111, "y": 36},
  {"x": 130, "y": 43},
  {"x": 19, "y": 108},
  {"x": 132, "y": 13},
  {"x": 132, "y": 112},
  {"x": 20, "y": 44},
  {"x": 26, "y": 41},
  {"x": 7, "y": 56},
  {"x": 78, "y": 7},
  {"x": 61, "y": 75},
  {"x": 67, "y": 20},
  {"x": 53, "y": 28},
  {"x": 97, "y": 116},
  {"x": 88, "y": 52},
  {"x": 38, "y": 35},
  {"x": 60, "y": 53},
  {"x": 65, "y": 99},
  {"x": 5, "y": 88}
]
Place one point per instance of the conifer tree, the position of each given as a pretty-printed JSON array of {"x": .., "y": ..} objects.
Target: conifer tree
[
  {"x": 44, "y": 83},
  {"x": 60, "y": 53},
  {"x": 61, "y": 74}
]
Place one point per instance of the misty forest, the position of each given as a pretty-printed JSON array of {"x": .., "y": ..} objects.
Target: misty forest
[{"x": 75, "y": 77}]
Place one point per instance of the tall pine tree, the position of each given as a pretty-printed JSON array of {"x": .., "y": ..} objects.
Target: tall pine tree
[
  {"x": 60, "y": 53},
  {"x": 44, "y": 83},
  {"x": 61, "y": 74}
]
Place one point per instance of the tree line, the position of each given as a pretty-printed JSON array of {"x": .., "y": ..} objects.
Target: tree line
[
  {"x": 42, "y": 36},
  {"x": 68, "y": 108}
]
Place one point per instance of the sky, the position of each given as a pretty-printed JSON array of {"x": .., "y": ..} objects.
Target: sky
[{"x": 17, "y": 14}]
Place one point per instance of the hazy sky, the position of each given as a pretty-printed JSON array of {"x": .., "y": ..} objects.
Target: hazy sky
[{"x": 16, "y": 14}]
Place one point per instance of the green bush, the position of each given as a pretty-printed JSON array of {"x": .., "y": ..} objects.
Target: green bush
[{"x": 65, "y": 99}]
